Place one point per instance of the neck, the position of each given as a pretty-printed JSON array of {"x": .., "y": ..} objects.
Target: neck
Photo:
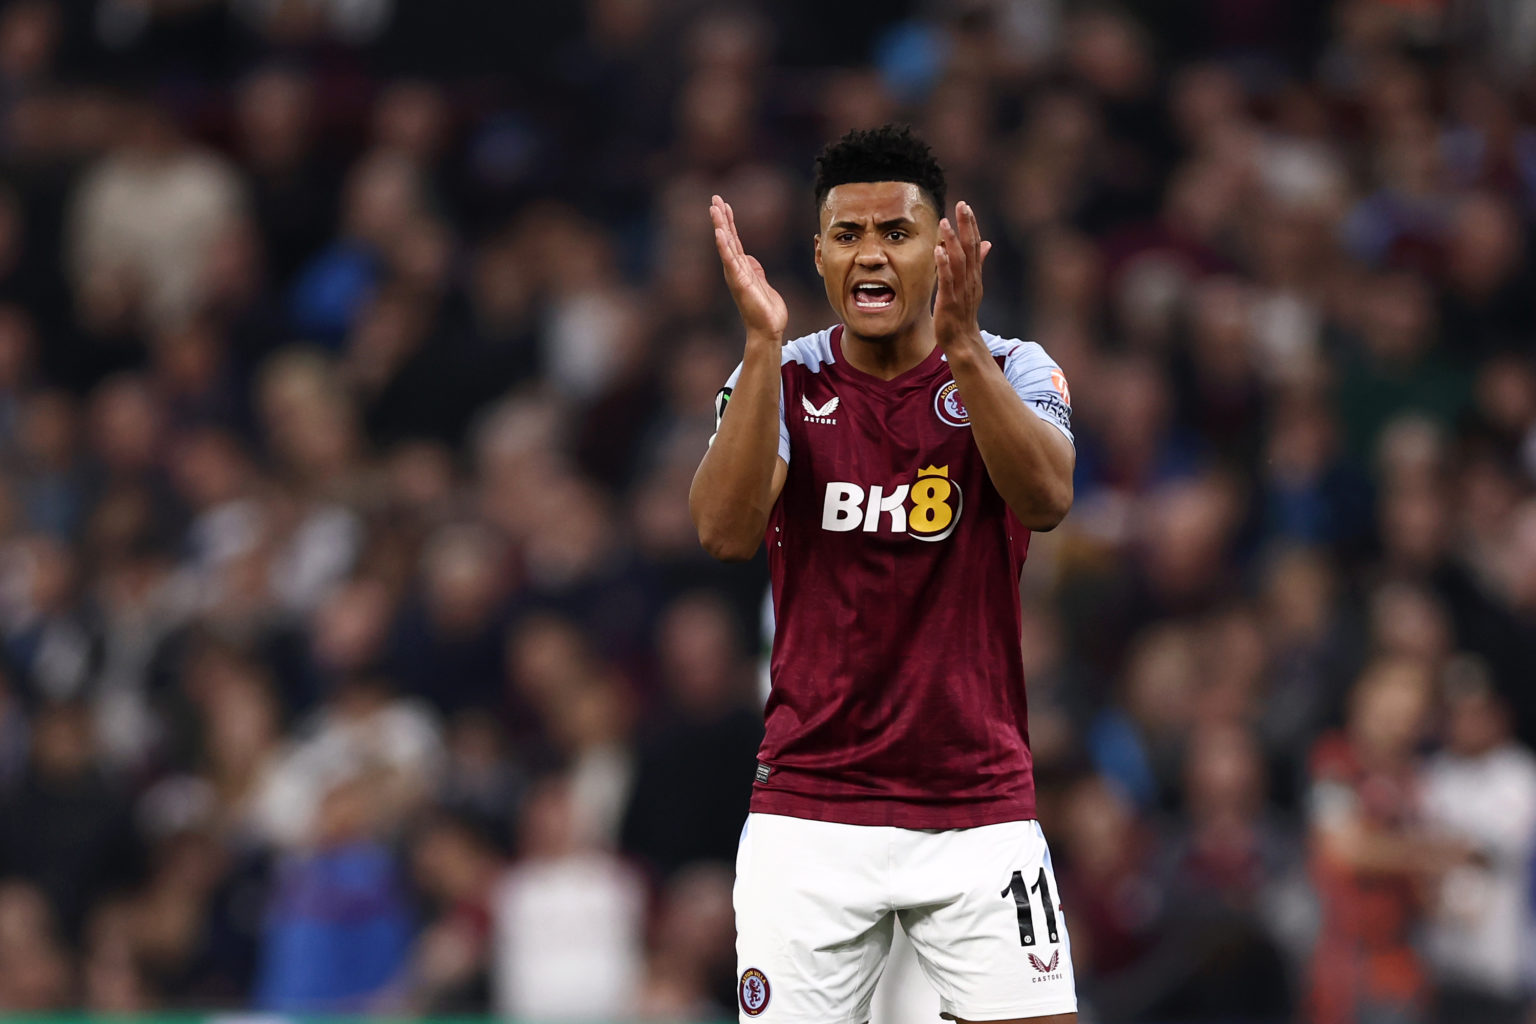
[{"x": 889, "y": 357}]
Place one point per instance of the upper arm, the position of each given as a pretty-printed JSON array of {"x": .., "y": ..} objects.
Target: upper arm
[
  {"x": 1064, "y": 452},
  {"x": 723, "y": 399},
  {"x": 780, "y": 474},
  {"x": 1041, "y": 385}
]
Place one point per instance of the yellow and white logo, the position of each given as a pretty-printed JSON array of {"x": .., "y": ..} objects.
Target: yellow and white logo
[{"x": 927, "y": 509}]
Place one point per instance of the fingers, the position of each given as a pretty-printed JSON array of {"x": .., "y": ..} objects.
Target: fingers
[
  {"x": 731, "y": 216},
  {"x": 946, "y": 296},
  {"x": 723, "y": 239},
  {"x": 959, "y": 257},
  {"x": 950, "y": 243},
  {"x": 718, "y": 220},
  {"x": 724, "y": 219},
  {"x": 965, "y": 284},
  {"x": 723, "y": 246},
  {"x": 967, "y": 233},
  {"x": 737, "y": 263},
  {"x": 722, "y": 232},
  {"x": 969, "y": 229}
]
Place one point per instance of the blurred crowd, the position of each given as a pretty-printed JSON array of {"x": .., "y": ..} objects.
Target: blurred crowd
[{"x": 357, "y": 652}]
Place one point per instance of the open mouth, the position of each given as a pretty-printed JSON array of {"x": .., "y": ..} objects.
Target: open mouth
[{"x": 873, "y": 296}]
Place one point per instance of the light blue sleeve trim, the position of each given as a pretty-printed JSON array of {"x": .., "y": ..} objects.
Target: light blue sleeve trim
[{"x": 1033, "y": 375}]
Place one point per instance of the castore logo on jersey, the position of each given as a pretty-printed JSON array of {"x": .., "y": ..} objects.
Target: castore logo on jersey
[
  {"x": 820, "y": 414},
  {"x": 927, "y": 509}
]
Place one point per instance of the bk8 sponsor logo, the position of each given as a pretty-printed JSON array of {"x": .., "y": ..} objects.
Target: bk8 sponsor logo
[{"x": 927, "y": 509}]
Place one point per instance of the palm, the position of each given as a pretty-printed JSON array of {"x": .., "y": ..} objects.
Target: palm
[
  {"x": 960, "y": 254},
  {"x": 762, "y": 308}
]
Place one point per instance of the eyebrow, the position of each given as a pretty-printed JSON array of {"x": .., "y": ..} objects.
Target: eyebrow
[{"x": 884, "y": 225}]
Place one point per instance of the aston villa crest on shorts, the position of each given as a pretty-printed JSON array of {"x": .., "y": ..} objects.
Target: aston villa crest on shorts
[{"x": 753, "y": 991}]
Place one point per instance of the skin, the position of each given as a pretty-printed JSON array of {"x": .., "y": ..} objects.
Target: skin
[
  {"x": 1389, "y": 709},
  {"x": 885, "y": 231}
]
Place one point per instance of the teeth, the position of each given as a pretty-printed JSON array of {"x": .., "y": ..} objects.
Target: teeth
[{"x": 865, "y": 292}]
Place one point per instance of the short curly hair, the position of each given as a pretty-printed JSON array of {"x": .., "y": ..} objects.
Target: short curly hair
[{"x": 892, "y": 152}]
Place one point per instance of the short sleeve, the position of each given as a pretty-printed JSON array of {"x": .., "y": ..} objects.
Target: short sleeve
[
  {"x": 1040, "y": 383},
  {"x": 723, "y": 398}
]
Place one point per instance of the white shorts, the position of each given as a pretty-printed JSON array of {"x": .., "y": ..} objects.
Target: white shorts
[{"x": 816, "y": 903}]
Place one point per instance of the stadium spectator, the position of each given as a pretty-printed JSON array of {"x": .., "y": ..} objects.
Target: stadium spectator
[
  {"x": 338, "y": 927},
  {"x": 1109, "y": 886},
  {"x": 35, "y": 972},
  {"x": 690, "y": 971},
  {"x": 1372, "y": 854},
  {"x": 363, "y": 729},
  {"x": 569, "y": 920},
  {"x": 145, "y": 216},
  {"x": 458, "y": 869},
  {"x": 65, "y": 829},
  {"x": 1481, "y": 789},
  {"x": 1227, "y": 882},
  {"x": 699, "y": 745}
]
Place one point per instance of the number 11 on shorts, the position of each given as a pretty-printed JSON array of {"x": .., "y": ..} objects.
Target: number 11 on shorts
[{"x": 1020, "y": 893}]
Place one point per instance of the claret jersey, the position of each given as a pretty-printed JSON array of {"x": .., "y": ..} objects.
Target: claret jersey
[{"x": 897, "y": 691}]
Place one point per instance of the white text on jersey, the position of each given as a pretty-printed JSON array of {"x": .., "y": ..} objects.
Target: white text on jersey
[{"x": 935, "y": 504}]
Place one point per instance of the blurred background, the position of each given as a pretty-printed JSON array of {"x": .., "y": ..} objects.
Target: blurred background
[{"x": 357, "y": 654}]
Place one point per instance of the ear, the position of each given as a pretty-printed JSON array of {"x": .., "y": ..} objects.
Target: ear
[{"x": 816, "y": 246}]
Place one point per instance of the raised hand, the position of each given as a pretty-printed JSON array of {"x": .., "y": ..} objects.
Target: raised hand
[
  {"x": 960, "y": 255},
  {"x": 762, "y": 309}
]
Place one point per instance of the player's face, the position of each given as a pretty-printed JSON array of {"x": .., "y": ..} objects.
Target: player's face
[{"x": 875, "y": 255}]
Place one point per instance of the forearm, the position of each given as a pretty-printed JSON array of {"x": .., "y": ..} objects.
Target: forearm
[
  {"x": 733, "y": 491},
  {"x": 1028, "y": 460},
  {"x": 1382, "y": 851}
]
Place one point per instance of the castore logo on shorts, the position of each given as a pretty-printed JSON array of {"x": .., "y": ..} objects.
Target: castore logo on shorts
[{"x": 1047, "y": 968}]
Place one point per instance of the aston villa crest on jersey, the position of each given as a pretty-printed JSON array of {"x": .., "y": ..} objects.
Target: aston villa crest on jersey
[{"x": 950, "y": 407}]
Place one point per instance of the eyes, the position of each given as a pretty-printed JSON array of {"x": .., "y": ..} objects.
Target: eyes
[{"x": 849, "y": 237}]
